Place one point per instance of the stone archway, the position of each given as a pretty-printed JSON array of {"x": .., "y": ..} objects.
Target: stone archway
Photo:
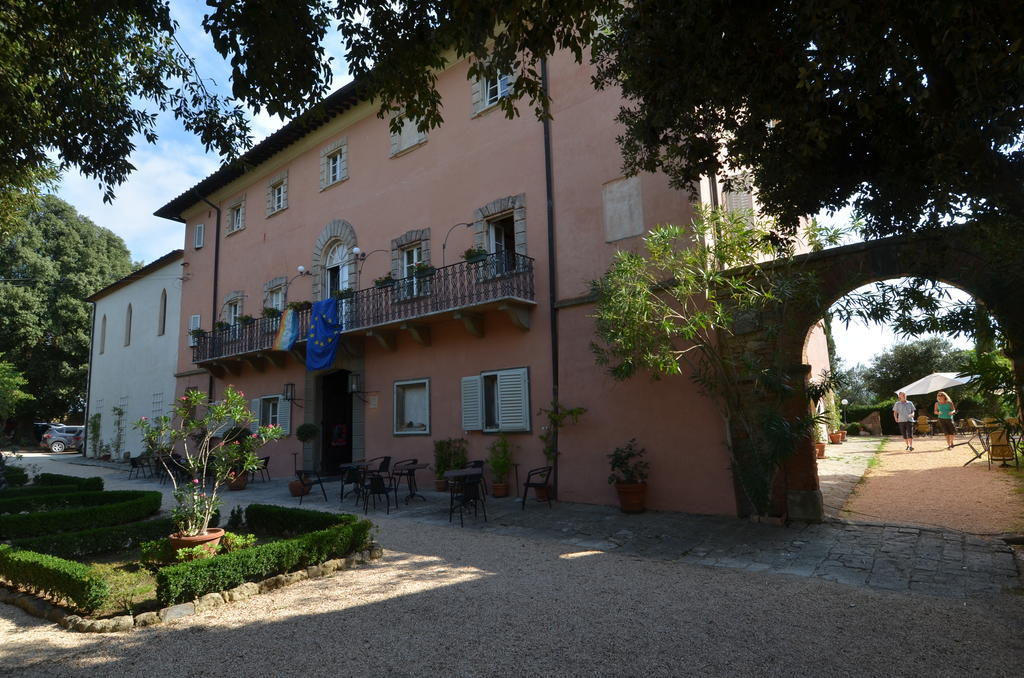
[{"x": 956, "y": 255}]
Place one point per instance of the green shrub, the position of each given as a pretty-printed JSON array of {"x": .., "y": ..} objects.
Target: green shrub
[
  {"x": 15, "y": 475},
  {"x": 98, "y": 540},
  {"x": 156, "y": 553},
  {"x": 279, "y": 521},
  {"x": 62, "y": 500},
  {"x": 93, "y": 509},
  {"x": 188, "y": 581},
  {"x": 853, "y": 429},
  {"x": 63, "y": 580},
  {"x": 33, "y": 490},
  {"x": 236, "y": 542},
  {"x": 84, "y": 484}
]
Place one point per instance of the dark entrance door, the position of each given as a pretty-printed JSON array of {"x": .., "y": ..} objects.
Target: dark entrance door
[{"x": 337, "y": 422}]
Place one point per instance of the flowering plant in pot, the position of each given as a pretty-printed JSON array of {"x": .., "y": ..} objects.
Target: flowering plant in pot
[
  {"x": 385, "y": 280},
  {"x": 423, "y": 270},
  {"x": 271, "y": 312},
  {"x": 474, "y": 254},
  {"x": 500, "y": 460},
  {"x": 212, "y": 444},
  {"x": 629, "y": 475}
]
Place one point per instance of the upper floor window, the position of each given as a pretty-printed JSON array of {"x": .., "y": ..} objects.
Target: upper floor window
[
  {"x": 501, "y": 242},
  {"x": 333, "y": 163},
  {"x": 232, "y": 311},
  {"x": 128, "y": 326},
  {"x": 195, "y": 322},
  {"x": 277, "y": 193},
  {"x": 496, "y": 88},
  {"x": 275, "y": 298},
  {"x": 198, "y": 235},
  {"x": 408, "y": 138},
  {"x": 161, "y": 321},
  {"x": 336, "y": 269},
  {"x": 236, "y": 216}
]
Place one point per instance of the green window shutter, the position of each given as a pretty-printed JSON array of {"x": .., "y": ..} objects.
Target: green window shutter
[
  {"x": 514, "y": 400},
  {"x": 472, "y": 404},
  {"x": 284, "y": 415}
]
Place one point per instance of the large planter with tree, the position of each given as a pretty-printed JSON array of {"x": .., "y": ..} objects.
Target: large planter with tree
[
  {"x": 449, "y": 454},
  {"x": 206, "y": 461},
  {"x": 306, "y": 433},
  {"x": 629, "y": 476},
  {"x": 500, "y": 459}
]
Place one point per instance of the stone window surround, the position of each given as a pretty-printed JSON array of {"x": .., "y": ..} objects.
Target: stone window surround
[
  {"x": 279, "y": 281},
  {"x": 514, "y": 204},
  {"x": 279, "y": 179},
  {"x": 235, "y": 295},
  {"x": 339, "y": 147},
  {"x": 238, "y": 204},
  {"x": 334, "y": 232},
  {"x": 396, "y": 141},
  {"x": 417, "y": 236},
  {"x": 477, "y": 95}
]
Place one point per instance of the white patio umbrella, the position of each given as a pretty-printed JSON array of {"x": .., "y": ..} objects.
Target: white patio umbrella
[{"x": 935, "y": 382}]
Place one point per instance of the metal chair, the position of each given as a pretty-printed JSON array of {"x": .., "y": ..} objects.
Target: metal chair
[
  {"x": 464, "y": 493},
  {"x": 478, "y": 463},
  {"x": 309, "y": 479},
  {"x": 138, "y": 466},
  {"x": 399, "y": 470},
  {"x": 377, "y": 484},
  {"x": 539, "y": 477},
  {"x": 263, "y": 470}
]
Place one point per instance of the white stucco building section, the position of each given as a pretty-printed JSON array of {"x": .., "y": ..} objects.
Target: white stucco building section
[{"x": 135, "y": 339}]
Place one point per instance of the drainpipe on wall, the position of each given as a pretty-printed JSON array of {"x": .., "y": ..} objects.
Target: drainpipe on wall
[
  {"x": 216, "y": 277},
  {"x": 552, "y": 310},
  {"x": 88, "y": 384}
]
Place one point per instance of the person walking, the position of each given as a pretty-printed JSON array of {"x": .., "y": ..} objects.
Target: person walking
[
  {"x": 945, "y": 409},
  {"x": 903, "y": 412}
]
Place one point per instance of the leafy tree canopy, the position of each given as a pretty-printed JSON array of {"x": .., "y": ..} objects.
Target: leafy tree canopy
[
  {"x": 57, "y": 258},
  {"x": 907, "y": 362},
  {"x": 11, "y": 394},
  {"x": 914, "y": 112}
]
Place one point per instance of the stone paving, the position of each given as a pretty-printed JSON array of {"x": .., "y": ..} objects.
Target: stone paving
[{"x": 880, "y": 556}]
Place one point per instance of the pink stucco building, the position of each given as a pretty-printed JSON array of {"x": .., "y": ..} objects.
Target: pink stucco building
[{"x": 472, "y": 350}]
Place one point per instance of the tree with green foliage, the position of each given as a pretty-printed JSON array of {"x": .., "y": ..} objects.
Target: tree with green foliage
[
  {"x": 908, "y": 362},
  {"x": 56, "y": 259},
  {"x": 11, "y": 395}
]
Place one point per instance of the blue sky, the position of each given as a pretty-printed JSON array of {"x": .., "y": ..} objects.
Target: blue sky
[{"x": 178, "y": 161}]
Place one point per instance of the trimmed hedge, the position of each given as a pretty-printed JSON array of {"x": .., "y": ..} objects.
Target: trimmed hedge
[
  {"x": 94, "y": 509},
  {"x": 190, "y": 580},
  {"x": 279, "y": 521},
  {"x": 84, "y": 484},
  {"x": 33, "y": 490},
  {"x": 55, "y": 577},
  {"x": 15, "y": 475},
  {"x": 61, "y": 500},
  {"x": 99, "y": 540}
]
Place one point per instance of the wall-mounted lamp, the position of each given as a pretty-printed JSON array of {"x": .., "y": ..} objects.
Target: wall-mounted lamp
[
  {"x": 289, "y": 392},
  {"x": 445, "y": 243}
]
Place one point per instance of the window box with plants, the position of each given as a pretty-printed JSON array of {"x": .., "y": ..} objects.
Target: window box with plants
[
  {"x": 629, "y": 476},
  {"x": 384, "y": 281},
  {"x": 271, "y": 312},
  {"x": 197, "y": 333},
  {"x": 423, "y": 270},
  {"x": 245, "y": 319},
  {"x": 346, "y": 293},
  {"x": 220, "y": 325},
  {"x": 474, "y": 255},
  {"x": 300, "y": 305}
]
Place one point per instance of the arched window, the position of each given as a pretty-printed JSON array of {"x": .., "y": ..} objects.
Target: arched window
[
  {"x": 128, "y": 326},
  {"x": 161, "y": 322},
  {"x": 103, "y": 334},
  {"x": 336, "y": 269}
]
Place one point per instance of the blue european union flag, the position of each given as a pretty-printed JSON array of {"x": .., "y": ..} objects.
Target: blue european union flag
[{"x": 324, "y": 328}]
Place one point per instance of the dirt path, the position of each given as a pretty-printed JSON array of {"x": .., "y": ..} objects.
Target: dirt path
[{"x": 930, "y": 486}]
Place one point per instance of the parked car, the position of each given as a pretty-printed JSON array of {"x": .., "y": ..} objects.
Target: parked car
[
  {"x": 41, "y": 427},
  {"x": 60, "y": 438}
]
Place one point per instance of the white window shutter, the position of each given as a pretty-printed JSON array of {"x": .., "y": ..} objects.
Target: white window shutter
[
  {"x": 472, "y": 404},
  {"x": 194, "y": 322},
  {"x": 284, "y": 414},
  {"x": 254, "y": 405},
  {"x": 739, "y": 201},
  {"x": 514, "y": 400},
  {"x": 477, "y": 94},
  {"x": 199, "y": 236}
]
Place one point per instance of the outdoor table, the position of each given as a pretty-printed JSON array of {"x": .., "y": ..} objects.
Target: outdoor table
[
  {"x": 409, "y": 471},
  {"x": 352, "y": 466},
  {"x": 458, "y": 473}
]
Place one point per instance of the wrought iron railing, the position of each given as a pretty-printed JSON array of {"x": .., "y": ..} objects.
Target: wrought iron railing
[{"x": 462, "y": 285}]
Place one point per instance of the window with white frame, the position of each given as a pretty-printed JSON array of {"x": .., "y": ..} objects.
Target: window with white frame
[
  {"x": 412, "y": 407},
  {"x": 271, "y": 410},
  {"x": 407, "y": 138},
  {"x": 336, "y": 269},
  {"x": 232, "y": 311},
  {"x": 496, "y": 88},
  {"x": 333, "y": 163},
  {"x": 277, "y": 193},
  {"x": 198, "y": 236},
  {"x": 501, "y": 242},
  {"x": 275, "y": 298},
  {"x": 194, "y": 323},
  {"x": 410, "y": 259},
  {"x": 236, "y": 217},
  {"x": 496, "y": 401}
]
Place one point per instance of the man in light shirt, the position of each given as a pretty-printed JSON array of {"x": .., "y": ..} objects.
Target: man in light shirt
[{"x": 903, "y": 411}]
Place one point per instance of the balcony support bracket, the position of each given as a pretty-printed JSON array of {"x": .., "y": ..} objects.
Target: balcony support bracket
[
  {"x": 519, "y": 316},
  {"x": 419, "y": 333},
  {"x": 299, "y": 353},
  {"x": 256, "y": 361},
  {"x": 474, "y": 322},
  {"x": 384, "y": 338},
  {"x": 234, "y": 367},
  {"x": 277, "y": 359}
]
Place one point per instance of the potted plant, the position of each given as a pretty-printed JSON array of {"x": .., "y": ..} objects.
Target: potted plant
[
  {"x": 384, "y": 281},
  {"x": 197, "y": 333},
  {"x": 221, "y": 325},
  {"x": 449, "y": 454},
  {"x": 500, "y": 460},
  {"x": 346, "y": 293},
  {"x": 819, "y": 441},
  {"x": 245, "y": 319},
  {"x": 474, "y": 254},
  {"x": 629, "y": 475},
  {"x": 206, "y": 459},
  {"x": 271, "y": 312},
  {"x": 300, "y": 305},
  {"x": 306, "y": 433},
  {"x": 423, "y": 270}
]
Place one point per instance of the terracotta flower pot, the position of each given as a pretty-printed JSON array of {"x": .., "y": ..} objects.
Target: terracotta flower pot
[
  {"x": 835, "y": 438},
  {"x": 843, "y": 434},
  {"x": 239, "y": 482},
  {"x": 210, "y": 540},
  {"x": 499, "y": 489},
  {"x": 298, "y": 489},
  {"x": 441, "y": 485},
  {"x": 819, "y": 450},
  {"x": 541, "y": 493},
  {"x": 632, "y": 497}
]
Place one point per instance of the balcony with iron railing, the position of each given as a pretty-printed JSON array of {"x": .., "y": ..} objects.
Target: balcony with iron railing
[{"x": 464, "y": 290}]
